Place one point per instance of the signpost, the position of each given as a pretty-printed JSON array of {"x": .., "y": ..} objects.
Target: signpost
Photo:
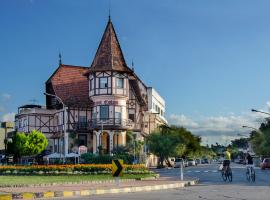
[{"x": 117, "y": 170}]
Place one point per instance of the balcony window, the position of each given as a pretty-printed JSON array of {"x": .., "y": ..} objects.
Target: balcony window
[
  {"x": 104, "y": 112},
  {"x": 120, "y": 83},
  {"x": 132, "y": 117},
  {"x": 103, "y": 82},
  {"x": 118, "y": 115}
]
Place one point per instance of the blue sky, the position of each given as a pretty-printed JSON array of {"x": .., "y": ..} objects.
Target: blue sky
[{"x": 208, "y": 59}]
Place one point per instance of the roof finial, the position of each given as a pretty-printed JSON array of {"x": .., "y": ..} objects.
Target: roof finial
[
  {"x": 109, "y": 10},
  {"x": 60, "y": 59},
  {"x": 132, "y": 65}
]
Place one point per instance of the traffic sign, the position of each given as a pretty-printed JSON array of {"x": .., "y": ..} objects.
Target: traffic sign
[{"x": 117, "y": 168}]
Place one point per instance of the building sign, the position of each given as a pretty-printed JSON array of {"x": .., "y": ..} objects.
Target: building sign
[
  {"x": 7, "y": 124},
  {"x": 106, "y": 102},
  {"x": 82, "y": 149}
]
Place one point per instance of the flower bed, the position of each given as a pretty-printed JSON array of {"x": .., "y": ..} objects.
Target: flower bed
[{"x": 69, "y": 169}]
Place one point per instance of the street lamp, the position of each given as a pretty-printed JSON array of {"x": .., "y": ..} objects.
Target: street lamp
[
  {"x": 253, "y": 110},
  {"x": 64, "y": 122},
  {"x": 255, "y": 129}
]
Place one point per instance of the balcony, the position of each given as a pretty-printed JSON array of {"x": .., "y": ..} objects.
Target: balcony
[{"x": 108, "y": 123}]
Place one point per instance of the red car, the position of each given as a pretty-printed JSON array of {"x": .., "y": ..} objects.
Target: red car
[{"x": 265, "y": 163}]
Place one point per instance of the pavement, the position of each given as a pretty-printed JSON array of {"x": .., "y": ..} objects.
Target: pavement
[
  {"x": 210, "y": 187},
  {"x": 88, "y": 189}
]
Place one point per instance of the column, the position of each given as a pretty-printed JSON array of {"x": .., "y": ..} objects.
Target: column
[
  {"x": 123, "y": 138},
  {"x": 94, "y": 141},
  {"x": 97, "y": 141},
  {"x": 111, "y": 134}
]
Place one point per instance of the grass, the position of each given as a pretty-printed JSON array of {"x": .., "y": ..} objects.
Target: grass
[{"x": 25, "y": 180}]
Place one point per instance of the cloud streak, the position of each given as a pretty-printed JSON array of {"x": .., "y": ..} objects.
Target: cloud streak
[{"x": 219, "y": 129}]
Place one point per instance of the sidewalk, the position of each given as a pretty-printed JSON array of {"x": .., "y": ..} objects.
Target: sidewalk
[{"x": 67, "y": 190}]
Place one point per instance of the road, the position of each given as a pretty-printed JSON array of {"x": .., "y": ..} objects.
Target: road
[{"x": 211, "y": 186}]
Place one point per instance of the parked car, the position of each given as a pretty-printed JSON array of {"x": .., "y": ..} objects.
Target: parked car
[
  {"x": 265, "y": 163},
  {"x": 198, "y": 161},
  {"x": 178, "y": 161},
  {"x": 191, "y": 162},
  {"x": 205, "y": 161}
]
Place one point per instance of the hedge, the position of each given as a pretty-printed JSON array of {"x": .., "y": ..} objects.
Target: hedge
[{"x": 69, "y": 169}]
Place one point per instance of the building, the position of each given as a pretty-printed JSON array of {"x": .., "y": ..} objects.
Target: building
[
  {"x": 6, "y": 131},
  {"x": 94, "y": 106}
]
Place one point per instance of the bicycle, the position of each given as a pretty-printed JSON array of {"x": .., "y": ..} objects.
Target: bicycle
[
  {"x": 250, "y": 173},
  {"x": 226, "y": 173}
]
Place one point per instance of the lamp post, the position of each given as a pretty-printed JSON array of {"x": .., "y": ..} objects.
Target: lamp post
[
  {"x": 64, "y": 122},
  {"x": 258, "y": 111}
]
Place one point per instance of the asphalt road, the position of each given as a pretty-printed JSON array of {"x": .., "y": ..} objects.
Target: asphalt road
[{"x": 211, "y": 186}]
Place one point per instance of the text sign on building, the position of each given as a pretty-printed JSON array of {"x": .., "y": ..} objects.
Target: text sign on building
[
  {"x": 106, "y": 102},
  {"x": 82, "y": 149},
  {"x": 7, "y": 125},
  {"x": 117, "y": 168}
]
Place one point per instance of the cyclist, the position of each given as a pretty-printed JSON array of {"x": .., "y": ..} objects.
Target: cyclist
[
  {"x": 250, "y": 173},
  {"x": 227, "y": 160},
  {"x": 249, "y": 159}
]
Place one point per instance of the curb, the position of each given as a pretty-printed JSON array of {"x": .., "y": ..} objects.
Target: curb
[{"x": 84, "y": 193}]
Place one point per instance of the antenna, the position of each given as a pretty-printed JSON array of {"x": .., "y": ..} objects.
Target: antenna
[{"x": 34, "y": 101}]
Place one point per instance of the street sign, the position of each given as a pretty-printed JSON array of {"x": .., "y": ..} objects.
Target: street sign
[{"x": 117, "y": 168}]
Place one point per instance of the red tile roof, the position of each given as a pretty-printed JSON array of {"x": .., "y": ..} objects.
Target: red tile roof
[{"x": 70, "y": 84}]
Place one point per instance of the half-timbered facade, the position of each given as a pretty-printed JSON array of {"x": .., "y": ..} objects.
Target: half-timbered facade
[{"x": 95, "y": 105}]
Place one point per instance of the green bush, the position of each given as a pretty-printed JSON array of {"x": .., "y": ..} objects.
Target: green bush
[{"x": 89, "y": 158}]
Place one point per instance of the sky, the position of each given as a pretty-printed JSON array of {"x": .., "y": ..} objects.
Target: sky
[{"x": 208, "y": 59}]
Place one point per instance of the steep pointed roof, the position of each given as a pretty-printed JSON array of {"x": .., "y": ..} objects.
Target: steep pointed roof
[{"x": 109, "y": 56}]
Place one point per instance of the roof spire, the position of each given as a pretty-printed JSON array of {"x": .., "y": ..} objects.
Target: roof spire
[
  {"x": 60, "y": 59},
  {"x": 109, "y": 10}
]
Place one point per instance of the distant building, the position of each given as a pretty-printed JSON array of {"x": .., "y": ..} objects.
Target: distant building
[
  {"x": 102, "y": 103},
  {"x": 6, "y": 129}
]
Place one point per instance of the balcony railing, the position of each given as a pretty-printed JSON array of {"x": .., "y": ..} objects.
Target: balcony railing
[{"x": 117, "y": 123}]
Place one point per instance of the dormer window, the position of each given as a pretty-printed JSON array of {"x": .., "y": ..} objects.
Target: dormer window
[
  {"x": 103, "y": 82},
  {"x": 120, "y": 83}
]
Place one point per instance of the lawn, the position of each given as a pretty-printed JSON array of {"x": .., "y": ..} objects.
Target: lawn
[{"x": 24, "y": 180}]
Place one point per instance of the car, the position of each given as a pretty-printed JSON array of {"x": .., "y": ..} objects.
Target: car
[
  {"x": 178, "y": 161},
  {"x": 265, "y": 163},
  {"x": 191, "y": 162},
  {"x": 205, "y": 161},
  {"x": 198, "y": 161}
]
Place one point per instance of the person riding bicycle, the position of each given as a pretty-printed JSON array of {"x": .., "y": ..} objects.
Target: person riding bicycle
[
  {"x": 249, "y": 159},
  {"x": 227, "y": 159},
  {"x": 250, "y": 168}
]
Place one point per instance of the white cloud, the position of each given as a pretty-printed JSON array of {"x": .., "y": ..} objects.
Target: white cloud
[
  {"x": 8, "y": 117},
  {"x": 6, "y": 96},
  {"x": 219, "y": 129},
  {"x": 182, "y": 120}
]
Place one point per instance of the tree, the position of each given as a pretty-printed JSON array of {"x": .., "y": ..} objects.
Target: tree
[
  {"x": 36, "y": 143},
  {"x": 161, "y": 145},
  {"x": 260, "y": 140},
  {"x": 173, "y": 141},
  {"x": 27, "y": 144}
]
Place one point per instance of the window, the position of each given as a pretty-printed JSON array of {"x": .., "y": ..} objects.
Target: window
[
  {"x": 82, "y": 119},
  {"x": 104, "y": 112},
  {"x": 94, "y": 115},
  {"x": 24, "y": 122},
  {"x": 118, "y": 115},
  {"x": 120, "y": 83},
  {"x": 82, "y": 140},
  {"x": 92, "y": 84},
  {"x": 103, "y": 82},
  {"x": 132, "y": 117}
]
